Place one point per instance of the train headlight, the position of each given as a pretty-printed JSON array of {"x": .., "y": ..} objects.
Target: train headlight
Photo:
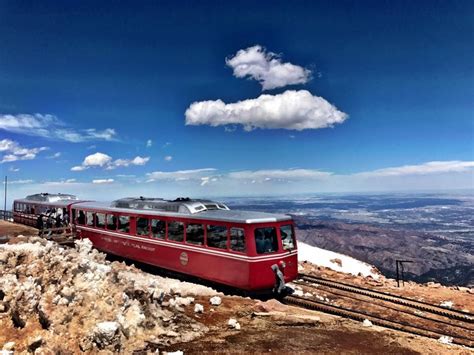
[{"x": 282, "y": 264}]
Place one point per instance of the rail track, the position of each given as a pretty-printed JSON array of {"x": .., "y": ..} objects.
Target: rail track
[
  {"x": 405, "y": 301},
  {"x": 433, "y": 322}
]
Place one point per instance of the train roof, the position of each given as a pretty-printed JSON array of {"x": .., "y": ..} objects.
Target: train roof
[
  {"x": 58, "y": 200},
  {"x": 222, "y": 215},
  {"x": 181, "y": 205}
]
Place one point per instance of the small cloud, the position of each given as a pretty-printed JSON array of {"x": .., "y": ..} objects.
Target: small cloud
[
  {"x": 167, "y": 144},
  {"x": 105, "y": 161},
  {"x": 267, "y": 68},
  {"x": 127, "y": 162},
  {"x": 19, "y": 182},
  {"x": 49, "y": 126},
  {"x": 97, "y": 159},
  {"x": 78, "y": 168},
  {"x": 15, "y": 151},
  {"x": 168, "y": 158},
  {"x": 292, "y": 136},
  {"x": 13, "y": 169},
  {"x": 433, "y": 167},
  {"x": 292, "y": 110},
  {"x": 279, "y": 174},
  {"x": 54, "y": 156},
  {"x": 103, "y": 181},
  {"x": 149, "y": 143},
  {"x": 93, "y": 146},
  {"x": 179, "y": 175}
]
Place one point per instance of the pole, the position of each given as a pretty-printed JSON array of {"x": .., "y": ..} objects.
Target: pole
[
  {"x": 5, "y": 203},
  {"x": 398, "y": 277}
]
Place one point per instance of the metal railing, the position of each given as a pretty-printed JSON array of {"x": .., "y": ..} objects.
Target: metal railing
[{"x": 6, "y": 215}]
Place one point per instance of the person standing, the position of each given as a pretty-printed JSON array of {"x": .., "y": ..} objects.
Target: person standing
[{"x": 39, "y": 224}]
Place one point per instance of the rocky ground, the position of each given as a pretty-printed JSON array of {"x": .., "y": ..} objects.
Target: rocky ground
[{"x": 56, "y": 299}]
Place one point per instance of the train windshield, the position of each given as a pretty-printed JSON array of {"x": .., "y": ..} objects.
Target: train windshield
[{"x": 266, "y": 240}]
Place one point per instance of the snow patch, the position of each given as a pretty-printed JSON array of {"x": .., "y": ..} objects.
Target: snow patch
[
  {"x": 215, "y": 301},
  {"x": 325, "y": 258},
  {"x": 447, "y": 304},
  {"x": 445, "y": 339},
  {"x": 367, "y": 323}
]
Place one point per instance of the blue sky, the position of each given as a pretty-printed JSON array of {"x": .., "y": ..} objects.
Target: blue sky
[{"x": 360, "y": 96}]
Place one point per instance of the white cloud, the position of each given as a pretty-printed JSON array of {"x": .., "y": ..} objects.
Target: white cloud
[
  {"x": 433, "y": 167},
  {"x": 279, "y": 174},
  {"x": 19, "y": 182},
  {"x": 267, "y": 68},
  {"x": 97, "y": 159},
  {"x": 127, "y": 162},
  {"x": 168, "y": 158},
  {"x": 105, "y": 161},
  {"x": 13, "y": 169},
  {"x": 103, "y": 181},
  {"x": 430, "y": 175},
  {"x": 149, "y": 143},
  {"x": 49, "y": 126},
  {"x": 13, "y": 151},
  {"x": 293, "y": 110},
  {"x": 179, "y": 175},
  {"x": 78, "y": 168}
]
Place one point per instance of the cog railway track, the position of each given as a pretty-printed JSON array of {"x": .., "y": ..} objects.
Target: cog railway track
[{"x": 387, "y": 310}]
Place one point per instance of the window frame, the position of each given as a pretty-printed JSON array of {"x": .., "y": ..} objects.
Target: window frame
[
  {"x": 204, "y": 239},
  {"x": 129, "y": 223},
  {"x": 96, "y": 220},
  {"x": 244, "y": 238},
  {"x": 157, "y": 218},
  {"x": 278, "y": 240},
  {"x": 168, "y": 222},
  {"x": 148, "y": 226},
  {"x": 107, "y": 222},
  {"x": 87, "y": 219},
  {"x": 207, "y": 225},
  {"x": 293, "y": 236}
]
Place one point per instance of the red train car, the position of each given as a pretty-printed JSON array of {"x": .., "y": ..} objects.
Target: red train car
[{"x": 243, "y": 249}]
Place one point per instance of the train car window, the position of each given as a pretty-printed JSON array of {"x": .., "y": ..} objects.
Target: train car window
[
  {"x": 74, "y": 214},
  {"x": 266, "y": 240},
  {"x": 287, "y": 237},
  {"x": 176, "y": 231},
  {"x": 81, "y": 219},
  {"x": 111, "y": 222},
  {"x": 100, "y": 220},
  {"x": 237, "y": 239},
  {"x": 217, "y": 237},
  {"x": 90, "y": 218},
  {"x": 195, "y": 234},
  {"x": 124, "y": 224},
  {"x": 158, "y": 228},
  {"x": 142, "y": 226}
]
